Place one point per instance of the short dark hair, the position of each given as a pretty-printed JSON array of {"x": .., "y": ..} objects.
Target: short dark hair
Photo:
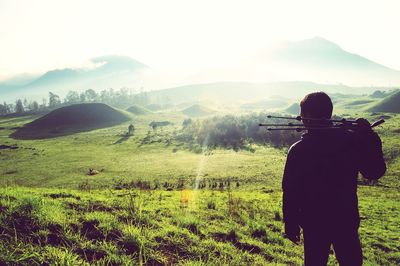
[{"x": 317, "y": 104}]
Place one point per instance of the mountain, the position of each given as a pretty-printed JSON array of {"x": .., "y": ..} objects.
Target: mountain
[
  {"x": 319, "y": 52},
  {"x": 320, "y": 60},
  {"x": 283, "y": 69},
  {"x": 108, "y": 71}
]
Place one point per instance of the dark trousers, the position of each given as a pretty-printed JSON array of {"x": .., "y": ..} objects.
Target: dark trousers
[{"x": 345, "y": 241}]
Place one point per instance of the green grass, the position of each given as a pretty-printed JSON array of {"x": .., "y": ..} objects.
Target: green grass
[
  {"x": 65, "y": 161},
  {"x": 141, "y": 207},
  {"x": 154, "y": 226}
]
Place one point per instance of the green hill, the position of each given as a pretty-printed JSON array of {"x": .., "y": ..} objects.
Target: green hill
[
  {"x": 197, "y": 110},
  {"x": 71, "y": 119},
  {"x": 294, "y": 109},
  {"x": 138, "y": 110},
  {"x": 158, "y": 107},
  {"x": 390, "y": 104}
]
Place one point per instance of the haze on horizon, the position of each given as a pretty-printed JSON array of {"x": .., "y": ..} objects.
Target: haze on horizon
[{"x": 185, "y": 36}]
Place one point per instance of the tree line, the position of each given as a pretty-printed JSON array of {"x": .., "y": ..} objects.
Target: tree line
[{"x": 121, "y": 98}]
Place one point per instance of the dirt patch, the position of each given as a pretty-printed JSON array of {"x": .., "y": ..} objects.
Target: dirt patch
[
  {"x": 114, "y": 235},
  {"x": 3, "y": 208},
  {"x": 76, "y": 206},
  {"x": 90, "y": 255},
  {"x": 224, "y": 237},
  {"x": 56, "y": 235},
  {"x": 268, "y": 191},
  {"x": 130, "y": 247},
  {"x": 248, "y": 247},
  {"x": 10, "y": 172},
  {"x": 233, "y": 238},
  {"x": 193, "y": 228},
  {"x": 274, "y": 228},
  {"x": 7, "y": 197},
  {"x": 62, "y": 195},
  {"x": 259, "y": 233},
  {"x": 381, "y": 247},
  {"x": 98, "y": 206},
  {"x": 175, "y": 246},
  {"x": 91, "y": 231},
  {"x": 74, "y": 227},
  {"x": 8, "y": 147}
]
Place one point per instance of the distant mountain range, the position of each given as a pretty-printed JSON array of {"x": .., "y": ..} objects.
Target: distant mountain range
[
  {"x": 108, "y": 72},
  {"x": 247, "y": 91},
  {"x": 317, "y": 60}
]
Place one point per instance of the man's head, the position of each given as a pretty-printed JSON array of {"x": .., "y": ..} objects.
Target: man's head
[{"x": 316, "y": 105}]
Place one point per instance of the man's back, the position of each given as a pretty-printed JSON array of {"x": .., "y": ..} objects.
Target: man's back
[
  {"x": 324, "y": 171},
  {"x": 320, "y": 181}
]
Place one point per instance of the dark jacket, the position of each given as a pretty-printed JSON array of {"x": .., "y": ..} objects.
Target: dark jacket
[{"x": 320, "y": 178}]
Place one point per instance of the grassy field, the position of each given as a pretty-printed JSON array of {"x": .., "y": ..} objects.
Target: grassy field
[{"x": 155, "y": 201}]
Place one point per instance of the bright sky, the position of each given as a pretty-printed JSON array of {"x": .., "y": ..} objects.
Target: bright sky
[{"x": 39, "y": 35}]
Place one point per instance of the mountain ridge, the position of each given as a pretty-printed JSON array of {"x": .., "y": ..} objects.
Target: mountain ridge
[
  {"x": 317, "y": 59},
  {"x": 106, "y": 68}
]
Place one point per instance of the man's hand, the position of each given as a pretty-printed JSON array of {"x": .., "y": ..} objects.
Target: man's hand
[
  {"x": 363, "y": 125},
  {"x": 292, "y": 232}
]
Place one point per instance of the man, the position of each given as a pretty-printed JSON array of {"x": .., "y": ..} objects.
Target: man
[{"x": 320, "y": 183}]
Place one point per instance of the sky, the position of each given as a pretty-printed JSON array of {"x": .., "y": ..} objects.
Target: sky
[{"x": 186, "y": 35}]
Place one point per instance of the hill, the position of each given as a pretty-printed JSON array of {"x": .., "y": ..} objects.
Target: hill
[
  {"x": 293, "y": 109},
  {"x": 138, "y": 110},
  {"x": 390, "y": 104},
  {"x": 265, "y": 104},
  {"x": 71, "y": 119},
  {"x": 197, "y": 110}
]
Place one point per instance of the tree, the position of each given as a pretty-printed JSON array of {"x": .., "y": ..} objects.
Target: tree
[
  {"x": 91, "y": 95},
  {"x": 35, "y": 106},
  {"x": 26, "y": 105},
  {"x": 82, "y": 97},
  {"x": 104, "y": 96},
  {"x": 19, "y": 107},
  {"x": 3, "y": 109},
  {"x": 11, "y": 108},
  {"x": 72, "y": 97},
  {"x": 44, "y": 104},
  {"x": 54, "y": 100},
  {"x": 186, "y": 122}
]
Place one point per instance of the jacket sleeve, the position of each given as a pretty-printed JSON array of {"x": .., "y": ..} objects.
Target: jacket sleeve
[
  {"x": 290, "y": 193},
  {"x": 372, "y": 164}
]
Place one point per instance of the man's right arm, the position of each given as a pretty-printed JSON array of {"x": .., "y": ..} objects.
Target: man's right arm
[{"x": 372, "y": 164}]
